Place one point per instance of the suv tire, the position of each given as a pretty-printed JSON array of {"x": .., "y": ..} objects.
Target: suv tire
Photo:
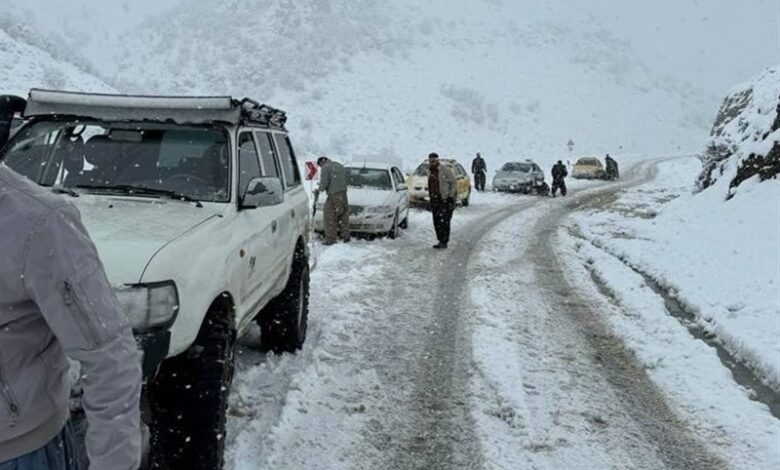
[
  {"x": 189, "y": 398},
  {"x": 284, "y": 322}
]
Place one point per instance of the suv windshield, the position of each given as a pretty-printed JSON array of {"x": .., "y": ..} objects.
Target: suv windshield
[
  {"x": 98, "y": 156},
  {"x": 523, "y": 167},
  {"x": 588, "y": 162},
  {"x": 421, "y": 170},
  {"x": 369, "y": 178}
]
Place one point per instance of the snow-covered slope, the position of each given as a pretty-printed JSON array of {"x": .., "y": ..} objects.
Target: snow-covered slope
[
  {"x": 745, "y": 138},
  {"x": 404, "y": 77},
  {"x": 26, "y": 66}
]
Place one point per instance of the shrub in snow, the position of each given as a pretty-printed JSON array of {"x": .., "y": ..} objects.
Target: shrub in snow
[{"x": 745, "y": 139}]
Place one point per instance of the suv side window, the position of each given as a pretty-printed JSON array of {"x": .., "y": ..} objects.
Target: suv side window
[
  {"x": 267, "y": 155},
  {"x": 248, "y": 164},
  {"x": 292, "y": 176}
]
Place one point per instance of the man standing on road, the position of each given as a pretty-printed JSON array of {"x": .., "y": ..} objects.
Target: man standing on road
[
  {"x": 333, "y": 182},
  {"x": 479, "y": 169},
  {"x": 559, "y": 173},
  {"x": 612, "y": 168},
  {"x": 55, "y": 301},
  {"x": 442, "y": 189}
]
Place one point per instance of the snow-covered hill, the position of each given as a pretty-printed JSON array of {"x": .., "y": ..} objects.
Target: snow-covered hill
[
  {"x": 26, "y": 66},
  {"x": 511, "y": 80},
  {"x": 745, "y": 139}
]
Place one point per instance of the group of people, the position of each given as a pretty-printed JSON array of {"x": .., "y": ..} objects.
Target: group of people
[{"x": 442, "y": 188}]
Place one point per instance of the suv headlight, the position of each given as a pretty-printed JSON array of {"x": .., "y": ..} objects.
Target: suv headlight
[
  {"x": 379, "y": 209},
  {"x": 149, "y": 306}
]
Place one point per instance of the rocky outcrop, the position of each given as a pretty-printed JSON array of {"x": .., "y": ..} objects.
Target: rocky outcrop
[{"x": 745, "y": 139}]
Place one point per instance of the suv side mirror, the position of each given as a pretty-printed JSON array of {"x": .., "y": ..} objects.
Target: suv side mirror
[
  {"x": 262, "y": 192},
  {"x": 401, "y": 187}
]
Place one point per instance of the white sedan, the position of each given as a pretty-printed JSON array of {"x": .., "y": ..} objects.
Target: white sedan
[{"x": 378, "y": 200}]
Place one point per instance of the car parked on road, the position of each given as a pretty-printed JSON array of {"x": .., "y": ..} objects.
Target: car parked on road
[
  {"x": 378, "y": 200},
  {"x": 197, "y": 210},
  {"x": 417, "y": 183},
  {"x": 588, "y": 168},
  {"x": 522, "y": 177}
]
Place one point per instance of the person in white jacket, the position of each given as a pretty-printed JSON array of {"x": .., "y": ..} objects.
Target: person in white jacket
[{"x": 55, "y": 302}]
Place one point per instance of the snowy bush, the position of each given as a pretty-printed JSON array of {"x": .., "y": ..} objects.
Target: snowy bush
[{"x": 745, "y": 139}]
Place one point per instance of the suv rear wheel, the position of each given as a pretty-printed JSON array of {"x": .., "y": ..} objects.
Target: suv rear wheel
[
  {"x": 188, "y": 399},
  {"x": 284, "y": 321}
]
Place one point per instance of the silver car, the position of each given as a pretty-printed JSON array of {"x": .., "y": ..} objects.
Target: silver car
[{"x": 518, "y": 177}]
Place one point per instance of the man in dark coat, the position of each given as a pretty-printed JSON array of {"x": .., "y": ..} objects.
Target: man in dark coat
[
  {"x": 559, "y": 173},
  {"x": 479, "y": 169},
  {"x": 612, "y": 168},
  {"x": 443, "y": 190}
]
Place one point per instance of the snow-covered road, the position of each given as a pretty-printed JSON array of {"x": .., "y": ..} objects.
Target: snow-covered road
[{"x": 495, "y": 354}]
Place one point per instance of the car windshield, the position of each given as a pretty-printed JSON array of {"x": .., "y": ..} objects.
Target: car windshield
[
  {"x": 369, "y": 178},
  {"x": 523, "y": 167},
  {"x": 588, "y": 162},
  {"x": 421, "y": 170},
  {"x": 97, "y": 156}
]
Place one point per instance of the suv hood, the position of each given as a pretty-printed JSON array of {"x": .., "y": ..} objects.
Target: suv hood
[
  {"x": 368, "y": 197},
  {"x": 128, "y": 232}
]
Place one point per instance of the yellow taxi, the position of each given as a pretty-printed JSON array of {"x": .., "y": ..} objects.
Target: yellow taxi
[
  {"x": 417, "y": 183},
  {"x": 588, "y": 168}
]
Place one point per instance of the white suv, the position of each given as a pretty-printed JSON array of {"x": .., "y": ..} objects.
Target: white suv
[{"x": 197, "y": 210}]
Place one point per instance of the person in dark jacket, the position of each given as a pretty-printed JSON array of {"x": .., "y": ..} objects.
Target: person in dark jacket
[
  {"x": 559, "y": 173},
  {"x": 612, "y": 168},
  {"x": 479, "y": 170},
  {"x": 55, "y": 302},
  {"x": 443, "y": 190}
]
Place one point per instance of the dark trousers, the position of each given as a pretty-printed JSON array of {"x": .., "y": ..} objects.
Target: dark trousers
[
  {"x": 479, "y": 180},
  {"x": 559, "y": 184},
  {"x": 442, "y": 216},
  {"x": 58, "y": 454}
]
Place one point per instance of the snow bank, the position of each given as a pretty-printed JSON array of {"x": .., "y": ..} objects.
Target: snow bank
[
  {"x": 720, "y": 259},
  {"x": 745, "y": 139}
]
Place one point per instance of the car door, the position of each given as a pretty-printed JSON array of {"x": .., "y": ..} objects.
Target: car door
[
  {"x": 402, "y": 195},
  {"x": 260, "y": 250},
  {"x": 296, "y": 215}
]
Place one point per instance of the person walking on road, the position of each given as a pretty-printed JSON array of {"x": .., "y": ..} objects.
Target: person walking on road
[
  {"x": 55, "y": 301},
  {"x": 333, "y": 182},
  {"x": 479, "y": 169},
  {"x": 443, "y": 189},
  {"x": 559, "y": 173}
]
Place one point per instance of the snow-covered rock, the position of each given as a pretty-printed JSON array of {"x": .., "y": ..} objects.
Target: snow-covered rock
[{"x": 745, "y": 139}]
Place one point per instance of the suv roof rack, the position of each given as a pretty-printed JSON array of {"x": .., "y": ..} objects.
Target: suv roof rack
[{"x": 177, "y": 109}]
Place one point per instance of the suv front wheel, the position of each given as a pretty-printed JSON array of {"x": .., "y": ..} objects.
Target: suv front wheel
[
  {"x": 284, "y": 321},
  {"x": 188, "y": 398}
]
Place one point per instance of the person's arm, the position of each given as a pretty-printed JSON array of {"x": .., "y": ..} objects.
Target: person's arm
[
  {"x": 65, "y": 278},
  {"x": 324, "y": 179}
]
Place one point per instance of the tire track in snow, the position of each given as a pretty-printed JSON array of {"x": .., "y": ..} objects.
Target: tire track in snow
[
  {"x": 442, "y": 431},
  {"x": 639, "y": 396}
]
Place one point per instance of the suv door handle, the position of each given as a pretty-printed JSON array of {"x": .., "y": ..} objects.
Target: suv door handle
[
  {"x": 273, "y": 226},
  {"x": 292, "y": 213}
]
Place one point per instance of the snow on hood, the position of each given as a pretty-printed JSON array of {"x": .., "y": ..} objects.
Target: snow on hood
[
  {"x": 129, "y": 231},
  {"x": 368, "y": 197}
]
